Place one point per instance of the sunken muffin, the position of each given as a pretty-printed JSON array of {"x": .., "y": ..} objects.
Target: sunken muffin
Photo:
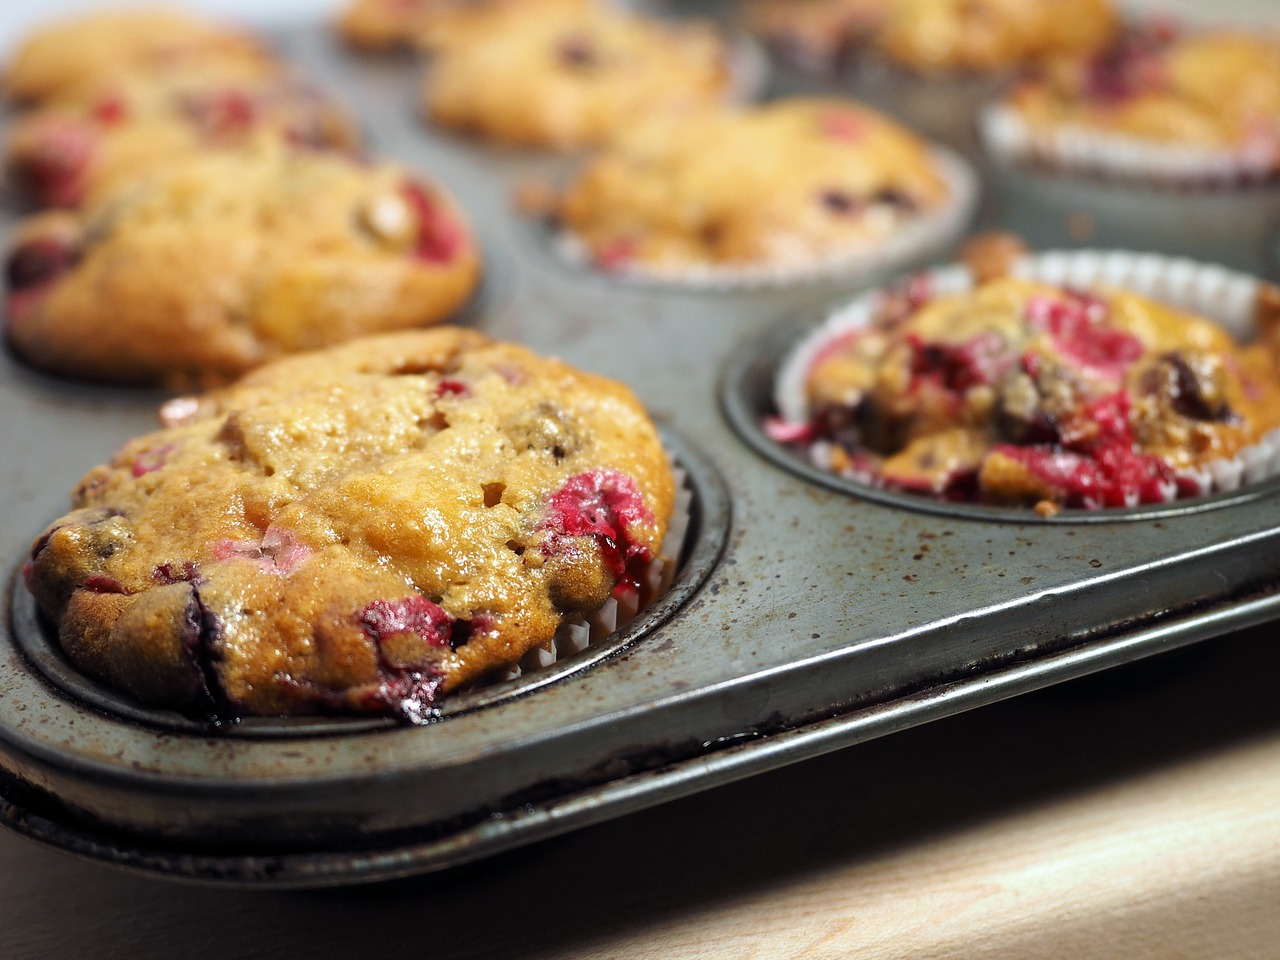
[
  {"x": 74, "y": 58},
  {"x": 204, "y": 270},
  {"x": 377, "y": 525},
  {"x": 1026, "y": 392},
  {"x": 61, "y": 155},
  {"x": 791, "y": 185},
  {"x": 568, "y": 74},
  {"x": 1157, "y": 104},
  {"x": 927, "y": 36}
]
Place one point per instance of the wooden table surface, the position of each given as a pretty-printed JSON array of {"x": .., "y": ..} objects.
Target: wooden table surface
[{"x": 1131, "y": 815}]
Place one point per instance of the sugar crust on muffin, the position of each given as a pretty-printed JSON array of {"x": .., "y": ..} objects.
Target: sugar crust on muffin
[{"x": 363, "y": 529}]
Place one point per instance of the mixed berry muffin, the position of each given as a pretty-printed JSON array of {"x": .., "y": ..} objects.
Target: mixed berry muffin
[
  {"x": 1157, "y": 104},
  {"x": 568, "y": 74},
  {"x": 377, "y": 525},
  {"x": 61, "y": 155},
  {"x": 934, "y": 35},
  {"x": 200, "y": 271},
  {"x": 73, "y": 59},
  {"x": 1024, "y": 392},
  {"x": 792, "y": 186}
]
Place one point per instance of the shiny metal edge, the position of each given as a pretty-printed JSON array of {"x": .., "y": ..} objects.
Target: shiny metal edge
[{"x": 505, "y": 830}]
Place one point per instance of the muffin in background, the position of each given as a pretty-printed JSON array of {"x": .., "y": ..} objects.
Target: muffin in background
[
  {"x": 74, "y": 58},
  {"x": 568, "y": 74},
  {"x": 787, "y": 189},
  {"x": 930, "y": 36},
  {"x": 1159, "y": 104},
  {"x": 62, "y": 155},
  {"x": 203, "y": 270}
]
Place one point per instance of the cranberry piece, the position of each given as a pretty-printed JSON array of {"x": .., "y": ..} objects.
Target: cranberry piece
[
  {"x": 615, "y": 255},
  {"x": 409, "y": 696},
  {"x": 439, "y": 237},
  {"x": 54, "y": 168},
  {"x": 184, "y": 571},
  {"x": 221, "y": 114},
  {"x": 601, "y": 504},
  {"x": 415, "y": 614},
  {"x": 980, "y": 360},
  {"x": 782, "y": 431},
  {"x": 101, "y": 583},
  {"x": 1076, "y": 326},
  {"x": 452, "y": 388},
  {"x": 843, "y": 126},
  {"x": 37, "y": 263},
  {"x": 110, "y": 110}
]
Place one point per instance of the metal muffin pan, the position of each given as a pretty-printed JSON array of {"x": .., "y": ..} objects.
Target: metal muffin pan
[{"x": 827, "y": 620}]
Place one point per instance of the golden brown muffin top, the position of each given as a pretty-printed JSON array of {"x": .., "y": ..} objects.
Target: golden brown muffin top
[
  {"x": 1203, "y": 89},
  {"x": 205, "y": 269},
  {"x": 1019, "y": 391},
  {"x": 783, "y": 183},
  {"x": 937, "y": 35},
  {"x": 568, "y": 74},
  {"x": 64, "y": 153},
  {"x": 74, "y": 58},
  {"x": 356, "y": 529}
]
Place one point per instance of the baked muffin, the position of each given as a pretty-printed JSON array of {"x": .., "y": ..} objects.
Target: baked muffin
[
  {"x": 790, "y": 185},
  {"x": 377, "y": 525},
  {"x": 568, "y": 74},
  {"x": 63, "y": 154},
  {"x": 1026, "y": 392},
  {"x": 934, "y": 35},
  {"x": 201, "y": 271},
  {"x": 72, "y": 59},
  {"x": 1156, "y": 104}
]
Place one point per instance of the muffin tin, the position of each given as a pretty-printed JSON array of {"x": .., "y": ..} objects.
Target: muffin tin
[{"x": 803, "y": 618}]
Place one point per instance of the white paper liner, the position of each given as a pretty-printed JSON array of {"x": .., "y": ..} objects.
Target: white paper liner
[
  {"x": 1225, "y": 296},
  {"x": 579, "y": 632},
  {"x": 919, "y": 237},
  {"x": 1008, "y": 137}
]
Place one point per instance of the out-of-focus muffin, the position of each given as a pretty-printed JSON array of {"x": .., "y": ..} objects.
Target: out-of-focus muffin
[
  {"x": 935, "y": 35},
  {"x": 568, "y": 74},
  {"x": 794, "y": 186},
  {"x": 74, "y": 58},
  {"x": 61, "y": 155},
  {"x": 1157, "y": 104},
  {"x": 202, "y": 270}
]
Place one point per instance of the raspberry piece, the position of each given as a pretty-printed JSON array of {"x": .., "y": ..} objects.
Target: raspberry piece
[
  {"x": 439, "y": 237},
  {"x": 602, "y": 504},
  {"x": 38, "y": 263},
  {"x": 415, "y": 614}
]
